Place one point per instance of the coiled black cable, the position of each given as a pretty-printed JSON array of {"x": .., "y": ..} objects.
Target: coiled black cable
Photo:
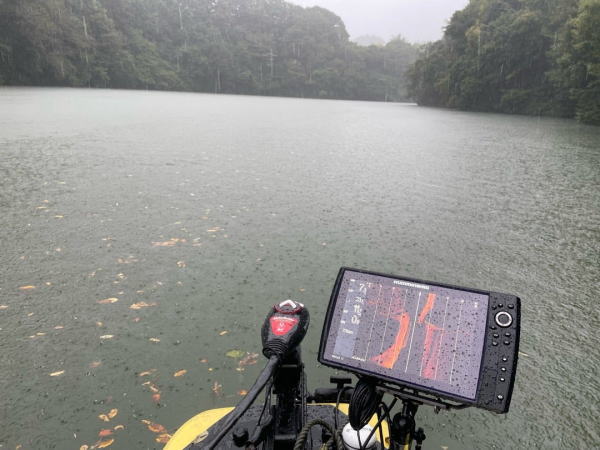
[{"x": 363, "y": 403}]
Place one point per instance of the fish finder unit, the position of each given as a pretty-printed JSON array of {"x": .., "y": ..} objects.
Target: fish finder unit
[{"x": 428, "y": 340}]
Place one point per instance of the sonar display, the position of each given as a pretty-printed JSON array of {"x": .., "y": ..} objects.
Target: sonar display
[{"x": 425, "y": 335}]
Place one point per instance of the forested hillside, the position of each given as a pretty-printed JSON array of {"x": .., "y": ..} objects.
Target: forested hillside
[
  {"x": 516, "y": 56},
  {"x": 266, "y": 47}
]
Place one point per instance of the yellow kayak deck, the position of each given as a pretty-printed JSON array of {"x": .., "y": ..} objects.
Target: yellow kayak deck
[{"x": 200, "y": 423}]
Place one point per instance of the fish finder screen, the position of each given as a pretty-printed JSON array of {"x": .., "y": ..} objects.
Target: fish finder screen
[{"x": 407, "y": 332}]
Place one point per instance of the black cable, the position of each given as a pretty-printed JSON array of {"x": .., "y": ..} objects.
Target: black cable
[
  {"x": 363, "y": 403},
  {"x": 231, "y": 419},
  {"x": 337, "y": 405}
]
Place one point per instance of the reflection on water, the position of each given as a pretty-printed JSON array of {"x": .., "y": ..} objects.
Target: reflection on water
[{"x": 144, "y": 236}]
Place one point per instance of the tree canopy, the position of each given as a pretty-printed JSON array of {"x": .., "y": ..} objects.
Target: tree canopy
[
  {"x": 516, "y": 56},
  {"x": 266, "y": 47}
]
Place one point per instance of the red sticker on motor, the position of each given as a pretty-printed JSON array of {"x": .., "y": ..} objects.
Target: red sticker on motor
[{"x": 282, "y": 325}]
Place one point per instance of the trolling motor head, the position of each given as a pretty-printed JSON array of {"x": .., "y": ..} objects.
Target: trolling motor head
[{"x": 284, "y": 328}]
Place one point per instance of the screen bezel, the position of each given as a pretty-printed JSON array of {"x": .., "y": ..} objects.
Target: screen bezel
[{"x": 337, "y": 365}]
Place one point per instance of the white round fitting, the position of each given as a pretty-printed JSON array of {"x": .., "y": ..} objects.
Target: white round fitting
[{"x": 351, "y": 437}]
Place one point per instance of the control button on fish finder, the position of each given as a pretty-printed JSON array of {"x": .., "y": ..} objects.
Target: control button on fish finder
[{"x": 504, "y": 319}]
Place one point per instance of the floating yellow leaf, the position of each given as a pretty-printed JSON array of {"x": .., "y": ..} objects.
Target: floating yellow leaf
[
  {"x": 170, "y": 243},
  {"x": 154, "y": 340},
  {"x": 3, "y": 306},
  {"x": 204, "y": 360},
  {"x": 146, "y": 372},
  {"x": 180, "y": 373},
  {"x": 84, "y": 447},
  {"x": 104, "y": 444},
  {"x": 242, "y": 392},
  {"x": 99, "y": 324},
  {"x": 107, "y": 336},
  {"x": 119, "y": 427},
  {"x": 57, "y": 374},
  {"x": 223, "y": 333},
  {"x": 58, "y": 216},
  {"x": 58, "y": 327},
  {"x": 140, "y": 305},
  {"x": 235, "y": 353},
  {"x": 105, "y": 432},
  {"x": 113, "y": 413},
  {"x": 153, "y": 388},
  {"x": 104, "y": 418},
  {"x": 136, "y": 319},
  {"x": 108, "y": 300},
  {"x": 27, "y": 288},
  {"x": 181, "y": 264},
  {"x": 95, "y": 364},
  {"x": 163, "y": 438},
  {"x": 156, "y": 397},
  {"x": 40, "y": 334},
  {"x": 146, "y": 421}
]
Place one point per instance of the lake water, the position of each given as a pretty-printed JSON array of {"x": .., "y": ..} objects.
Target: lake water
[{"x": 202, "y": 211}]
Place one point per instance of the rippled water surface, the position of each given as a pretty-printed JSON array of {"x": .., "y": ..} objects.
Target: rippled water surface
[{"x": 203, "y": 210}]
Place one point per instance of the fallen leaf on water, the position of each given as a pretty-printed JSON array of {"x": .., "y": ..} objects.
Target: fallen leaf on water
[
  {"x": 57, "y": 374},
  {"x": 104, "y": 444},
  {"x": 58, "y": 327},
  {"x": 248, "y": 360},
  {"x": 217, "y": 388},
  {"x": 181, "y": 264},
  {"x": 84, "y": 447},
  {"x": 108, "y": 300},
  {"x": 523, "y": 354},
  {"x": 27, "y": 288},
  {"x": 223, "y": 333},
  {"x": 113, "y": 413},
  {"x": 136, "y": 319},
  {"x": 58, "y": 216},
  {"x": 170, "y": 243},
  {"x": 154, "y": 340},
  {"x": 107, "y": 336},
  {"x": 146, "y": 372},
  {"x": 204, "y": 360},
  {"x": 163, "y": 438},
  {"x": 104, "y": 418},
  {"x": 240, "y": 369},
  {"x": 180, "y": 373},
  {"x": 30, "y": 314},
  {"x": 156, "y": 428},
  {"x": 140, "y": 305},
  {"x": 235, "y": 353},
  {"x": 99, "y": 324},
  {"x": 242, "y": 392},
  {"x": 39, "y": 333},
  {"x": 153, "y": 388},
  {"x": 3, "y": 306},
  {"x": 95, "y": 364},
  {"x": 156, "y": 398},
  {"x": 119, "y": 427},
  {"x": 105, "y": 432}
]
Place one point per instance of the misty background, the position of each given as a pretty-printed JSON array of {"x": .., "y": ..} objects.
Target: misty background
[{"x": 415, "y": 20}]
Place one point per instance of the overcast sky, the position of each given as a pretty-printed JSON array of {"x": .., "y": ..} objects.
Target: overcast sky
[{"x": 416, "y": 20}]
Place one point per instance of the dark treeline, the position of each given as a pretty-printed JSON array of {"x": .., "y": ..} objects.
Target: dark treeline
[
  {"x": 516, "y": 56},
  {"x": 267, "y": 47}
]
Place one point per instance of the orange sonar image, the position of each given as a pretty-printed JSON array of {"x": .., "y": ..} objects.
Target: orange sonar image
[{"x": 388, "y": 358}]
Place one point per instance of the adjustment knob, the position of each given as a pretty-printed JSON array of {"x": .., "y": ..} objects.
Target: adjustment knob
[
  {"x": 240, "y": 436},
  {"x": 288, "y": 307},
  {"x": 503, "y": 319}
]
